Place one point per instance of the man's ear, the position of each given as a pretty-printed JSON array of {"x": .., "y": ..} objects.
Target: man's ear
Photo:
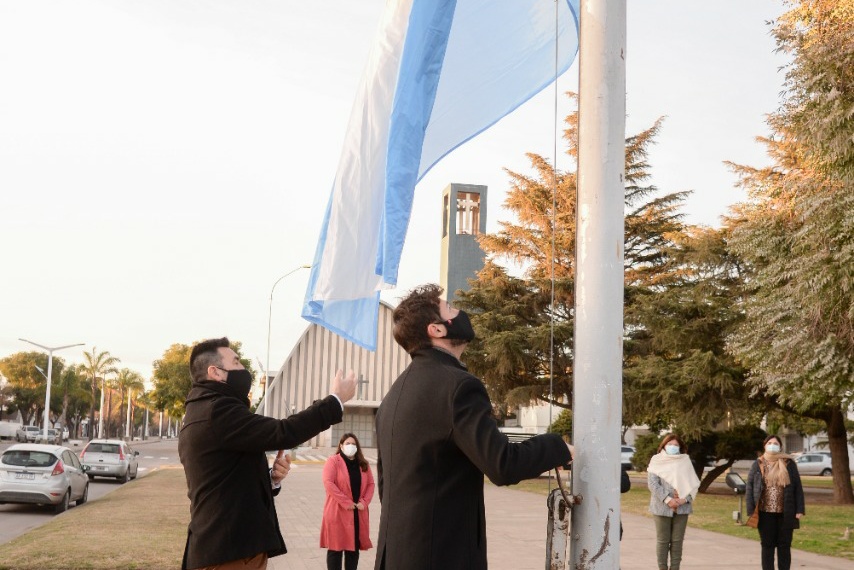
[{"x": 436, "y": 330}]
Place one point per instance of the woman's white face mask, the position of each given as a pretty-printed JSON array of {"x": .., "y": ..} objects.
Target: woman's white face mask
[
  {"x": 772, "y": 448},
  {"x": 349, "y": 449}
]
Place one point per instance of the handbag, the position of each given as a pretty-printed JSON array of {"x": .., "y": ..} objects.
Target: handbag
[{"x": 753, "y": 520}]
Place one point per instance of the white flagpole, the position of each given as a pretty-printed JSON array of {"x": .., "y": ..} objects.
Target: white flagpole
[{"x": 598, "y": 385}]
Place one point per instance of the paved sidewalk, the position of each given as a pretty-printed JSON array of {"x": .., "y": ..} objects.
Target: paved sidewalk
[{"x": 516, "y": 529}]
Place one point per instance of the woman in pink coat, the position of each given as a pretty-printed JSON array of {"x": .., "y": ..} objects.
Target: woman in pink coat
[{"x": 349, "y": 484}]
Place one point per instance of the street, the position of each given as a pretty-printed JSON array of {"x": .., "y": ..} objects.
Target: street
[{"x": 16, "y": 520}]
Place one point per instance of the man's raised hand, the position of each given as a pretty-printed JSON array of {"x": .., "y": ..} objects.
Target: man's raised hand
[{"x": 344, "y": 386}]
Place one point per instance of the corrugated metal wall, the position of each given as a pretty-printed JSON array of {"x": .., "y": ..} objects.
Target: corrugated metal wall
[{"x": 307, "y": 373}]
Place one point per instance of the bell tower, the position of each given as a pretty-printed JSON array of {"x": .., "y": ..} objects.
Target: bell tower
[{"x": 463, "y": 220}]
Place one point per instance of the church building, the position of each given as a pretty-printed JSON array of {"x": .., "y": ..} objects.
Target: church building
[{"x": 306, "y": 374}]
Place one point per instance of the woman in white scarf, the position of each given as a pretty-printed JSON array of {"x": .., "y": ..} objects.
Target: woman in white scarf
[{"x": 673, "y": 485}]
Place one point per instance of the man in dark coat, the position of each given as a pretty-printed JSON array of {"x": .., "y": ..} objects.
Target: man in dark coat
[
  {"x": 437, "y": 438},
  {"x": 222, "y": 445}
]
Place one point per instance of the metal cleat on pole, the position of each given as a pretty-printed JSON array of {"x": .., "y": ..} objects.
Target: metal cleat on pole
[{"x": 559, "y": 503}]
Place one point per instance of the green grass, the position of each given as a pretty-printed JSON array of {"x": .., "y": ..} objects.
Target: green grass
[
  {"x": 821, "y": 529},
  {"x": 141, "y": 525},
  {"x": 818, "y": 482}
]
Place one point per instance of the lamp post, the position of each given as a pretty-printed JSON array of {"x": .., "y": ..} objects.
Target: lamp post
[
  {"x": 50, "y": 351},
  {"x": 269, "y": 325}
]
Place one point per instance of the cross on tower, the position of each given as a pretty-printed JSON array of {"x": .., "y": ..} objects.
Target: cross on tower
[{"x": 468, "y": 213}]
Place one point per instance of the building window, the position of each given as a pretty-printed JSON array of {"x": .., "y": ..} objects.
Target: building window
[
  {"x": 468, "y": 213},
  {"x": 446, "y": 215}
]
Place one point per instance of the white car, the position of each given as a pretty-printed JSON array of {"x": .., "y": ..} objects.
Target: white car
[
  {"x": 626, "y": 454},
  {"x": 27, "y": 433},
  {"x": 814, "y": 463},
  {"x": 110, "y": 458},
  {"x": 34, "y": 473}
]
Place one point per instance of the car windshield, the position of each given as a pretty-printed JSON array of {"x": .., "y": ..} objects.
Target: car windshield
[
  {"x": 26, "y": 458},
  {"x": 102, "y": 448}
]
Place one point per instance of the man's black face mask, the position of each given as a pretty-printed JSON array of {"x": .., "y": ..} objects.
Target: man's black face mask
[
  {"x": 239, "y": 380},
  {"x": 459, "y": 328}
]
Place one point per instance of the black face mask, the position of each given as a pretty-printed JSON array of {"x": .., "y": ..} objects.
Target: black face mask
[
  {"x": 240, "y": 381},
  {"x": 459, "y": 328}
]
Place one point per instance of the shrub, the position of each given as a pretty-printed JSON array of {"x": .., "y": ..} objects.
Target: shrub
[
  {"x": 645, "y": 447},
  {"x": 562, "y": 425}
]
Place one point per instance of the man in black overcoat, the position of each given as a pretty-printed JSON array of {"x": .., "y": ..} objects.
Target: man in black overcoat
[
  {"x": 222, "y": 444},
  {"x": 436, "y": 439}
]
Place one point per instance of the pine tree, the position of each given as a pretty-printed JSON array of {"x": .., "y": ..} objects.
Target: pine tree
[
  {"x": 513, "y": 315},
  {"x": 677, "y": 372}
]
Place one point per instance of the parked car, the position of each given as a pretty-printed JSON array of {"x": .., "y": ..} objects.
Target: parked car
[
  {"x": 27, "y": 433},
  {"x": 110, "y": 458},
  {"x": 35, "y": 473},
  {"x": 53, "y": 436},
  {"x": 814, "y": 463},
  {"x": 626, "y": 454},
  {"x": 8, "y": 429}
]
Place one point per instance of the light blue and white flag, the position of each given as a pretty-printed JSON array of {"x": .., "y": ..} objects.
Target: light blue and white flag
[{"x": 441, "y": 72}]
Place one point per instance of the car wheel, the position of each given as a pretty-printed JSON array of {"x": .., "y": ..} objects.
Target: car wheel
[
  {"x": 63, "y": 504},
  {"x": 826, "y": 472},
  {"x": 82, "y": 500},
  {"x": 124, "y": 478},
  {"x": 135, "y": 473}
]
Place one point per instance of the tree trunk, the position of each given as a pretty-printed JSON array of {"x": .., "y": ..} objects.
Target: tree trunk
[
  {"x": 62, "y": 417},
  {"x": 713, "y": 474},
  {"x": 122, "y": 426},
  {"x": 838, "y": 440},
  {"x": 33, "y": 415},
  {"x": 90, "y": 435},
  {"x": 109, "y": 409}
]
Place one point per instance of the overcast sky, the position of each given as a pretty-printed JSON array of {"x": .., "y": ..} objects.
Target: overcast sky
[{"x": 163, "y": 163}]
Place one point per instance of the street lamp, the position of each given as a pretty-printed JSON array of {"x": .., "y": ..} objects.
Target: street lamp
[
  {"x": 50, "y": 351},
  {"x": 269, "y": 325}
]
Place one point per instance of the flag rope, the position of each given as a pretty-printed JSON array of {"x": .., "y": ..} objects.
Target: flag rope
[{"x": 554, "y": 230}]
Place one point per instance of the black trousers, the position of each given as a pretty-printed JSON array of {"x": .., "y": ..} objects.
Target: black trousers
[
  {"x": 351, "y": 558},
  {"x": 774, "y": 536},
  {"x": 333, "y": 559}
]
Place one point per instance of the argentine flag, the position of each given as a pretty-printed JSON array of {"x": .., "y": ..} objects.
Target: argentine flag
[{"x": 441, "y": 72}]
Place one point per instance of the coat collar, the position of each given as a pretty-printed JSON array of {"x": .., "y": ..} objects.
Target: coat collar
[
  {"x": 440, "y": 356},
  {"x": 210, "y": 388}
]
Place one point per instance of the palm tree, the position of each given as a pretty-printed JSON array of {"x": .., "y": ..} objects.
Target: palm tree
[
  {"x": 97, "y": 365},
  {"x": 72, "y": 382},
  {"x": 146, "y": 400},
  {"x": 127, "y": 381}
]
